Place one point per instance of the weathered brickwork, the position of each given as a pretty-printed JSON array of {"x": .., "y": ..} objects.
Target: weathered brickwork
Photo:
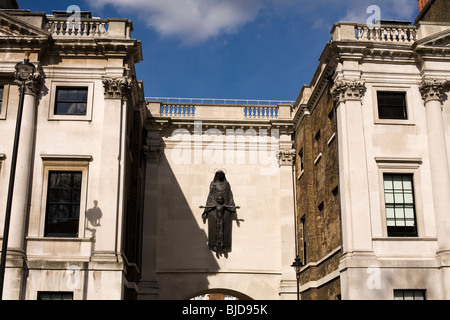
[
  {"x": 436, "y": 11},
  {"x": 318, "y": 198}
]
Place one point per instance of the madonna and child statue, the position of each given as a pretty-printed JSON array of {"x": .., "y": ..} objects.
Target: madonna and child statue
[{"x": 220, "y": 211}]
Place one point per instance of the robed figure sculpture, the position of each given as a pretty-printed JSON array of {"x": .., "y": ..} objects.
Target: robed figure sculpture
[{"x": 220, "y": 211}]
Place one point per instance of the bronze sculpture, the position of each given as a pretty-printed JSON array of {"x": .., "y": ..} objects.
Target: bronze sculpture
[{"x": 220, "y": 211}]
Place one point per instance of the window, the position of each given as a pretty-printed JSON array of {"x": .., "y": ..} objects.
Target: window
[
  {"x": 399, "y": 202},
  {"x": 320, "y": 206},
  {"x": 63, "y": 203},
  {"x": 71, "y": 101},
  {"x": 4, "y": 90},
  {"x": 392, "y": 105},
  {"x": 409, "y": 294},
  {"x": 317, "y": 136},
  {"x": 303, "y": 222},
  {"x": 64, "y": 193},
  {"x": 300, "y": 154},
  {"x": 48, "y": 295}
]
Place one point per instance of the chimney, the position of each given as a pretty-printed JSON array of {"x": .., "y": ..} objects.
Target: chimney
[{"x": 422, "y": 4}]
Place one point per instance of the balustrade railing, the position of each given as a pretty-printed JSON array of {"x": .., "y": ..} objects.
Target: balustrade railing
[
  {"x": 259, "y": 112},
  {"x": 80, "y": 28},
  {"x": 177, "y": 110},
  {"x": 386, "y": 33}
]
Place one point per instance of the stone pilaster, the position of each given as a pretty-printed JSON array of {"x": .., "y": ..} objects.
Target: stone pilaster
[
  {"x": 433, "y": 92},
  {"x": 112, "y": 171},
  {"x": 357, "y": 250},
  {"x": 16, "y": 254}
]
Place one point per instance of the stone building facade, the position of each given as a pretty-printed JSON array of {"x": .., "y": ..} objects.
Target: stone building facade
[
  {"x": 78, "y": 170},
  {"x": 386, "y": 236},
  {"x": 186, "y": 144},
  {"x": 353, "y": 177}
]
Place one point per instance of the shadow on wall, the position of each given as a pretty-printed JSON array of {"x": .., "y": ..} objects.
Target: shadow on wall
[
  {"x": 183, "y": 258},
  {"x": 93, "y": 215}
]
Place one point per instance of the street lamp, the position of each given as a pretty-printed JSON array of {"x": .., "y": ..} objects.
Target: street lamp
[
  {"x": 23, "y": 76},
  {"x": 297, "y": 265}
]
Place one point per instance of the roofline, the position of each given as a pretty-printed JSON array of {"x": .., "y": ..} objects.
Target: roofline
[{"x": 424, "y": 11}]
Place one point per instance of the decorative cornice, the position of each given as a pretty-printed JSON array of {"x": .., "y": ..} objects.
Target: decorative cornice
[
  {"x": 345, "y": 90},
  {"x": 432, "y": 89},
  {"x": 117, "y": 88}
]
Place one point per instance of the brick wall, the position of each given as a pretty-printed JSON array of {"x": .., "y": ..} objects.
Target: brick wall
[
  {"x": 318, "y": 198},
  {"x": 422, "y": 4},
  {"x": 437, "y": 11}
]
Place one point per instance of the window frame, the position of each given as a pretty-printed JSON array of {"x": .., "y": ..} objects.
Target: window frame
[
  {"x": 304, "y": 240},
  {"x": 55, "y": 293},
  {"x": 403, "y": 107},
  {"x": 64, "y": 164},
  {"x": 408, "y": 100},
  {"x": 55, "y": 85},
  {"x": 48, "y": 234},
  {"x": 4, "y": 103},
  {"x": 396, "y": 219},
  {"x": 414, "y": 291},
  {"x": 387, "y": 165}
]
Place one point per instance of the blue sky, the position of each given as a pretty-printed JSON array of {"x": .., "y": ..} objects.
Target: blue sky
[{"x": 233, "y": 49}]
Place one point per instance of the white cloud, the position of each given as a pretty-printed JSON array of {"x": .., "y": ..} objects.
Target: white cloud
[
  {"x": 193, "y": 21},
  {"x": 389, "y": 10}
]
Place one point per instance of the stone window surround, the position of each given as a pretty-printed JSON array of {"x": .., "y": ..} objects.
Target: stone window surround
[
  {"x": 4, "y": 106},
  {"x": 401, "y": 166},
  {"x": 76, "y": 84},
  {"x": 409, "y": 104},
  {"x": 64, "y": 163}
]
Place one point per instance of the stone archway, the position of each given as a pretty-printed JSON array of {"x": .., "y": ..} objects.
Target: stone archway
[{"x": 219, "y": 294}]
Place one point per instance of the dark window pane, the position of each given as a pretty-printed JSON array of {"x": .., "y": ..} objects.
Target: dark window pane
[
  {"x": 55, "y": 296},
  {"x": 63, "y": 204},
  {"x": 1, "y": 97},
  {"x": 71, "y": 101},
  {"x": 409, "y": 294},
  {"x": 392, "y": 105}
]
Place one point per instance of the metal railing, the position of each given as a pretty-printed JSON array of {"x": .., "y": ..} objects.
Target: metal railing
[{"x": 247, "y": 102}]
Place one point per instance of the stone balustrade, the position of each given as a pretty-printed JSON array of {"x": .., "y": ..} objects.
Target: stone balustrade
[
  {"x": 175, "y": 110},
  {"x": 89, "y": 28},
  {"x": 351, "y": 31},
  {"x": 259, "y": 112},
  {"x": 402, "y": 34},
  {"x": 220, "y": 111}
]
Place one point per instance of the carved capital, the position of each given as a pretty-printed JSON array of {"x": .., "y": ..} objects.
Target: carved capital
[
  {"x": 152, "y": 153},
  {"x": 117, "y": 88},
  {"x": 344, "y": 90},
  {"x": 286, "y": 157},
  {"x": 432, "y": 89}
]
